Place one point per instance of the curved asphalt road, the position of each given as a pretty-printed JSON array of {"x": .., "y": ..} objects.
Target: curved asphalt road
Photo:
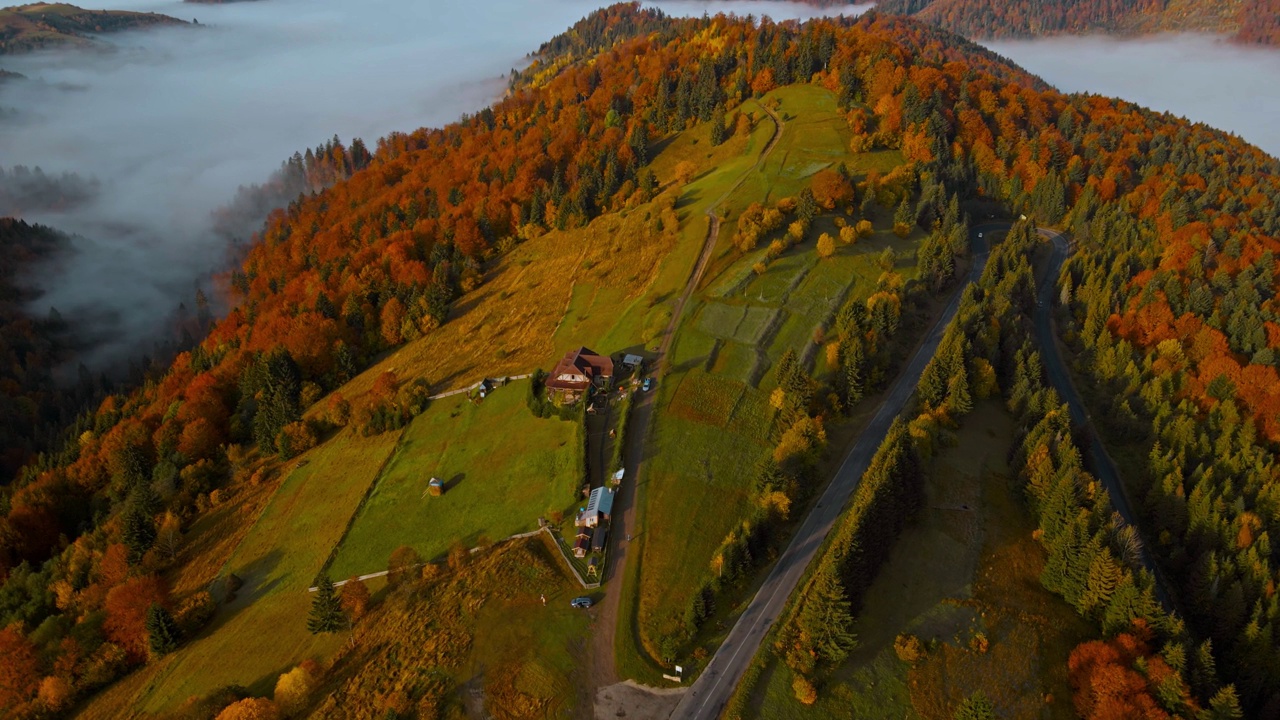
[{"x": 709, "y": 693}]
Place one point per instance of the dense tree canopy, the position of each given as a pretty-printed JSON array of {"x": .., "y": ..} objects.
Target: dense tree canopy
[{"x": 1172, "y": 288}]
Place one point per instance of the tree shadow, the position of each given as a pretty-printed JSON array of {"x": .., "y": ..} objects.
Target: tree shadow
[{"x": 253, "y": 585}]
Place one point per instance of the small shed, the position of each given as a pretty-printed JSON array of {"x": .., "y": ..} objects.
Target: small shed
[
  {"x": 632, "y": 361},
  {"x": 582, "y": 544},
  {"x": 435, "y": 486},
  {"x": 599, "y": 539}
]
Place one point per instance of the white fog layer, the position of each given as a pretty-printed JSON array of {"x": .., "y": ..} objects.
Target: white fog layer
[
  {"x": 1201, "y": 77},
  {"x": 175, "y": 119}
]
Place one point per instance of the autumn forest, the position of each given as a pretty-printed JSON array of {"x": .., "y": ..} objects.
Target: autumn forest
[{"x": 127, "y": 494}]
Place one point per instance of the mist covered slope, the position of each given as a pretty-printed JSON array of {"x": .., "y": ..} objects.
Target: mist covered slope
[{"x": 1249, "y": 21}]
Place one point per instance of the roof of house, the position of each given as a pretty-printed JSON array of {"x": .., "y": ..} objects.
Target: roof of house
[
  {"x": 582, "y": 363},
  {"x": 601, "y": 501},
  {"x": 584, "y": 531},
  {"x": 600, "y": 538},
  {"x": 630, "y": 359},
  {"x": 582, "y": 542}
]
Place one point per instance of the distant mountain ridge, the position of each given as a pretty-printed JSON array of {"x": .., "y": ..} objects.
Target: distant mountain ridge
[
  {"x": 24, "y": 28},
  {"x": 1246, "y": 21}
]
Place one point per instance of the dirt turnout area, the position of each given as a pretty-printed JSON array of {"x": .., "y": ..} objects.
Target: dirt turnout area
[{"x": 636, "y": 702}]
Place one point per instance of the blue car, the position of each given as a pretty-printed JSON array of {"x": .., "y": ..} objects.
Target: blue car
[
  {"x": 648, "y": 383},
  {"x": 580, "y": 602}
]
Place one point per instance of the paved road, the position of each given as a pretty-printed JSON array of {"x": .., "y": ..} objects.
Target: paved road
[
  {"x": 603, "y": 670},
  {"x": 709, "y": 693},
  {"x": 1055, "y": 365}
]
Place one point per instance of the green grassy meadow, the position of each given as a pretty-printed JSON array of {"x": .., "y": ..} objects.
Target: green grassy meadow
[
  {"x": 713, "y": 420},
  {"x": 503, "y": 468},
  {"x": 967, "y": 568},
  {"x": 264, "y": 628}
]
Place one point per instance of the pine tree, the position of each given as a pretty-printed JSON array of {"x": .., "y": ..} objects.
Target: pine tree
[
  {"x": 718, "y": 130},
  {"x": 958, "y": 398},
  {"x": 852, "y": 359},
  {"x": 1225, "y": 705},
  {"x": 139, "y": 533},
  {"x": 806, "y": 206},
  {"x": 1204, "y": 670},
  {"x": 976, "y": 707},
  {"x": 905, "y": 214},
  {"x": 826, "y": 620},
  {"x": 326, "y": 609},
  {"x": 163, "y": 633}
]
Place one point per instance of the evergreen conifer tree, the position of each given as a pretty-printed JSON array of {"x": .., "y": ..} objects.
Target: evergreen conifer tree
[
  {"x": 852, "y": 360},
  {"x": 163, "y": 633},
  {"x": 326, "y": 609},
  {"x": 718, "y": 130},
  {"x": 139, "y": 533},
  {"x": 826, "y": 619},
  {"x": 976, "y": 707},
  {"x": 1225, "y": 705}
]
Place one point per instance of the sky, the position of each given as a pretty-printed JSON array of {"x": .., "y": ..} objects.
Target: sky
[{"x": 173, "y": 120}]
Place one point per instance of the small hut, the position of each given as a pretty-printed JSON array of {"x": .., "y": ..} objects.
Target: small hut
[{"x": 435, "y": 486}]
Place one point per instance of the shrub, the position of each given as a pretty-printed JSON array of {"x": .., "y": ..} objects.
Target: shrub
[
  {"x": 826, "y": 246},
  {"x": 250, "y": 709},
  {"x": 403, "y": 559},
  {"x": 294, "y": 689},
  {"x": 805, "y": 692},
  {"x": 354, "y": 598},
  {"x": 195, "y": 612},
  {"x": 908, "y": 648}
]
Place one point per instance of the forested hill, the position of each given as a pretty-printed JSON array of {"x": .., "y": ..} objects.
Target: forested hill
[
  {"x": 24, "y": 28},
  {"x": 1177, "y": 228},
  {"x": 1248, "y": 21},
  {"x": 604, "y": 29}
]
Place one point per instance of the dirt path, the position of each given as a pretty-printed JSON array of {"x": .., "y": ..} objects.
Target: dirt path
[{"x": 604, "y": 674}]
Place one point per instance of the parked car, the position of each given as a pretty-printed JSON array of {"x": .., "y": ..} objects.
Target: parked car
[
  {"x": 580, "y": 602},
  {"x": 647, "y": 384}
]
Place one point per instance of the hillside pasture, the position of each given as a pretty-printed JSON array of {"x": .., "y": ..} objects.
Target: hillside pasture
[
  {"x": 503, "y": 468},
  {"x": 703, "y": 449},
  {"x": 966, "y": 571},
  {"x": 264, "y": 628}
]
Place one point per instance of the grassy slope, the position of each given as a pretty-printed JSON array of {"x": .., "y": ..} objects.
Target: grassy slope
[
  {"x": 969, "y": 565},
  {"x": 261, "y": 634},
  {"x": 485, "y": 628},
  {"x": 713, "y": 419},
  {"x": 610, "y": 285},
  {"x": 498, "y": 481}
]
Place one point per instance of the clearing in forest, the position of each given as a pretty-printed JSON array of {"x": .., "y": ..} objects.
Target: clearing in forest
[
  {"x": 965, "y": 580},
  {"x": 502, "y": 467}
]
